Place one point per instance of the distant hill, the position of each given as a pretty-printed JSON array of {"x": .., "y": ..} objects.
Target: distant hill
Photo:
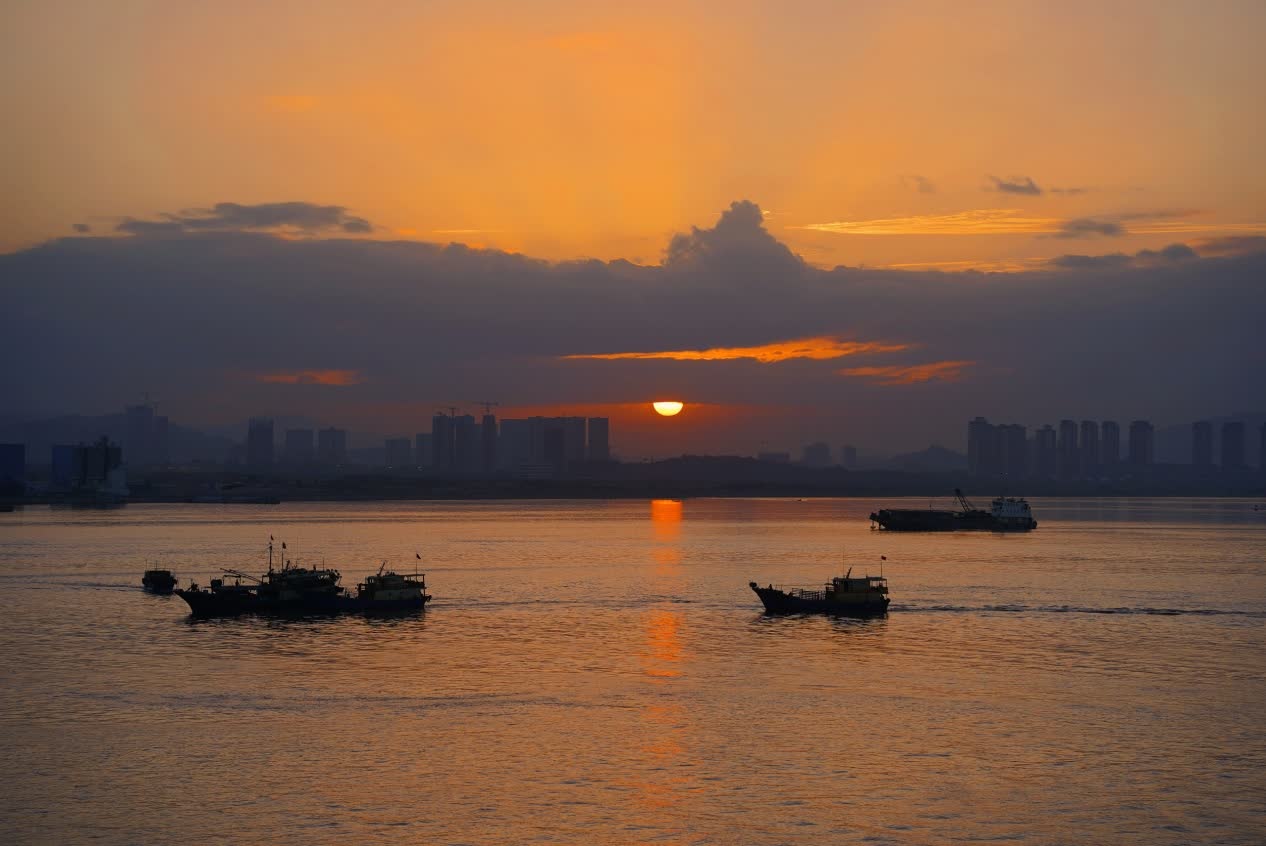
[{"x": 934, "y": 459}]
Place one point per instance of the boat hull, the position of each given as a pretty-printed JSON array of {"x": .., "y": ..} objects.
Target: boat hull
[
  {"x": 780, "y": 602},
  {"x": 206, "y": 604},
  {"x": 919, "y": 520}
]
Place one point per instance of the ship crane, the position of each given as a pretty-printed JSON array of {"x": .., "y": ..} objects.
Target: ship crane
[
  {"x": 963, "y": 501},
  {"x": 488, "y": 406}
]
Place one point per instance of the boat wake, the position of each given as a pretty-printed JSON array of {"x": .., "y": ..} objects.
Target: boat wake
[{"x": 1080, "y": 609}]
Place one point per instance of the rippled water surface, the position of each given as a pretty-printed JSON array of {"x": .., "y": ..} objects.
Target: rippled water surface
[{"x": 599, "y": 672}]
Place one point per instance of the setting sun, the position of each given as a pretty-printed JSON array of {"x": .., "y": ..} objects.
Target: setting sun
[{"x": 667, "y": 408}]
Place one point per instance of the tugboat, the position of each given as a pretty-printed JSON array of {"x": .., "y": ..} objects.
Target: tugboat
[
  {"x": 865, "y": 596},
  {"x": 158, "y": 581},
  {"x": 1006, "y": 514},
  {"x": 300, "y": 590}
]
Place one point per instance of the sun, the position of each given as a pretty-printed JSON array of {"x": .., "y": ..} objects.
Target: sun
[{"x": 667, "y": 408}]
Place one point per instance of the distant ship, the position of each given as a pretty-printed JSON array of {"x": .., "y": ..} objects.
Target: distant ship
[
  {"x": 1006, "y": 514},
  {"x": 865, "y": 596},
  {"x": 301, "y": 590}
]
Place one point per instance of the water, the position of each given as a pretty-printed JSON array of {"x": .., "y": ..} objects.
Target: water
[{"x": 599, "y": 672}]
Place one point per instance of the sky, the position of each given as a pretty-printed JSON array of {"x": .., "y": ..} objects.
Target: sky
[{"x": 856, "y": 222}]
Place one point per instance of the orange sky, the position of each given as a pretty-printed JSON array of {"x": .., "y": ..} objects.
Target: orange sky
[{"x": 871, "y": 133}]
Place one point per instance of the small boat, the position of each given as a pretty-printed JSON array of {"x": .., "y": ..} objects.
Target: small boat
[
  {"x": 158, "y": 581},
  {"x": 864, "y": 596}
]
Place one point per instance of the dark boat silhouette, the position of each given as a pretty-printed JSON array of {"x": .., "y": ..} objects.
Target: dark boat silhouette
[
  {"x": 1006, "y": 514},
  {"x": 158, "y": 581},
  {"x": 864, "y": 596},
  {"x": 294, "y": 589}
]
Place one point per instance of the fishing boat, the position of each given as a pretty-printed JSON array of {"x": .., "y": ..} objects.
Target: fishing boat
[
  {"x": 158, "y": 581},
  {"x": 863, "y": 596},
  {"x": 292, "y": 589}
]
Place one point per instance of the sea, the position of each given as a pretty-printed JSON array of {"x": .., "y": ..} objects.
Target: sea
[{"x": 600, "y": 672}]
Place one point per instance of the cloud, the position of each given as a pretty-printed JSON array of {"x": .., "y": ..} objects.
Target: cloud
[
  {"x": 1232, "y": 245},
  {"x": 1069, "y": 192},
  {"x": 1076, "y": 262},
  {"x": 972, "y": 222},
  {"x": 310, "y": 377},
  {"x": 1015, "y": 222},
  {"x": 919, "y": 183},
  {"x": 1016, "y": 185},
  {"x": 739, "y": 241},
  {"x": 1172, "y": 253},
  {"x": 914, "y": 374},
  {"x": 1087, "y": 227},
  {"x": 816, "y": 349},
  {"x": 199, "y": 315},
  {"x": 305, "y": 218},
  {"x": 81, "y": 228}
]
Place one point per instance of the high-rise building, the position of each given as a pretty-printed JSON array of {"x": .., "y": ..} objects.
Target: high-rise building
[
  {"x": 816, "y": 454},
  {"x": 332, "y": 446},
  {"x": 848, "y": 457},
  {"x": 1045, "y": 453},
  {"x": 488, "y": 440},
  {"x": 398, "y": 453},
  {"x": 298, "y": 447},
  {"x": 599, "y": 439},
  {"x": 467, "y": 444},
  {"x": 259, "y": 443},
  {"x": 1014, "y": 450},
  {"x": 1142, "y": 443},
  {"x": 1109, "y": 444},
  {"x": 574, "y": 439},
  {"x": 443, "y": 451},
  {"x": 554, "y": 443},
  {"x": 983, "y": 448},
  {"x": 1088, "y": 447},
  {"x": 12, "y": 465},
  {"x": 1233, "y": 445},
  {"x": 138, "y": 434},
  {"x": 1202, "y": 443},
  {"x": 514, "y": 447},
  {"x": 160, "y": 447},
  {"x": 1069, "y": 461},
  {"x": 422, "y": 452}
]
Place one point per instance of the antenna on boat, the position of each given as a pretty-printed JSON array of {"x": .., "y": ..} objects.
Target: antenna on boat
[{"x": 882, "y": 559}]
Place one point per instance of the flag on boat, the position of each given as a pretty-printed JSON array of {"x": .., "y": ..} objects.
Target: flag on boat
[
  {"x": 883, "y": 558},
  {"x": 418, "y": 555},
  {"x": 283, "y": 544}
]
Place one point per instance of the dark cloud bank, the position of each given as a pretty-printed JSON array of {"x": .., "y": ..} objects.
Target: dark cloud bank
[{"x": 195, "y": 306}]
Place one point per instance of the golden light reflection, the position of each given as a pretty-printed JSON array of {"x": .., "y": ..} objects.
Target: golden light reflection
[
  {"x": 311, "y": 377},
  {"x": 816, "y": 349},
  {"x": 666, "y": 520},
  {"x": 939, "y": 371}
]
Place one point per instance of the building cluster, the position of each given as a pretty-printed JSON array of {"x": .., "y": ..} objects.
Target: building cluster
[
  {"x": 818, "y": 454},
  {"x": 456, "y": 444},
  {"x": 1072, "y": 451},
  {"x": 1089, "y": 449},
  {"x": 83, "y": 468}
]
